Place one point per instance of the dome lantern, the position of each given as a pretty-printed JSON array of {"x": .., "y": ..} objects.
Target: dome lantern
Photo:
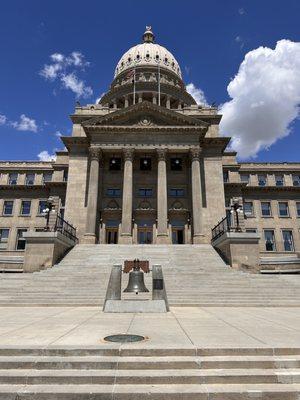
[{"x": 148, "y": 36}]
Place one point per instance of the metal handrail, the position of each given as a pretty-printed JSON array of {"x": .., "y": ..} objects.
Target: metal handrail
[
  {"x": 65, "y": 228},
  {"x": 223, "y": 226}
]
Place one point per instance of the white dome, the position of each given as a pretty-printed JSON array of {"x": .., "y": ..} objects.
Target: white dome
[{"x": 148, "y": 53}]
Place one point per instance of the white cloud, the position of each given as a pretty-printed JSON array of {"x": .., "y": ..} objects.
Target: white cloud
[
  {"x": 70, "y": 81},
  {"x": 25, "y": 124},
  {"x": 3, "y": 119},
  {"x": 240, "y": 40},
  {"x": 265, "y": 98},
  {"x": 99, "y": 98},
  {"x": 242, "y": 11},
  {"x": 58, "y": 134},
  {"x": 45, "y": 156},
  {"x": 197, "y": 94},
  {"x": 65, "y": 69}
]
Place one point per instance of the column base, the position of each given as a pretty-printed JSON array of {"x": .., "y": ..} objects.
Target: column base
[
  {"x": 89, "y": 238},
  {"x": 199, "y": 239},
  {"x": 125, "y": 239},
  {"x": 163, "y": 239}
]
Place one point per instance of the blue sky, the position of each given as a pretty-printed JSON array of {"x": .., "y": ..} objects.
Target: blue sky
[{"x": 208, "y": 38}]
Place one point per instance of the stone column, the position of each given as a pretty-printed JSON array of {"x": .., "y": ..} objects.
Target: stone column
[
  {"x": 198, "y": 235},
  {"x": 162, "y": 199},
  {"x": 90, "y": 235},
  {"x": 168, "y": 102},
  {"x": 126, "y": 226},
  {"x": 126, "y": 101},
  {"x": 154, "y": 99}
]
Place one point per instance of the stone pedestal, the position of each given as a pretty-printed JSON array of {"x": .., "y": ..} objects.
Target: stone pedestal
[
  {"x": 126, "y": 226},
  {"x": 162, "y": 199},
  {"x": 44, "y": 249},
  {"x": 239, "y": 249}
]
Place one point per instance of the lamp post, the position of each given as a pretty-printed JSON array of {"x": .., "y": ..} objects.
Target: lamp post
[
  {"x": 47, "y": 210},
  {"x": 237, "y": 208}
]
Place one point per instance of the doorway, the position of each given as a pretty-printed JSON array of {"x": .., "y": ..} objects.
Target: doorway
[
  {"x": 111, "y": 235},
  {"x": 177, "y": 236},
  {"x": 145, "y": 235}
]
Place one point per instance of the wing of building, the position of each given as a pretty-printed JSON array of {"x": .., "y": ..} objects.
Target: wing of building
[{"x": 146, "y": 165}]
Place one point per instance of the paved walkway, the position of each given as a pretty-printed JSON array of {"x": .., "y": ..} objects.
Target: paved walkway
[{"x": 200, "y": 327}]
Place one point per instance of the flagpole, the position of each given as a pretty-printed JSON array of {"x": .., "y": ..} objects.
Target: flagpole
[
  {"x": 134, "y": 86},
  {"x": 158, "y": 78}
]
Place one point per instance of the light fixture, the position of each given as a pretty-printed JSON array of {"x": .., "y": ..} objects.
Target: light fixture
[
  {"x": 177, "y": 161},
  {"x": 145, "y": 162}
]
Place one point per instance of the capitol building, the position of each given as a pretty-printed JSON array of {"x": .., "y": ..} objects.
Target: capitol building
[{"x": 146, "y": 165}]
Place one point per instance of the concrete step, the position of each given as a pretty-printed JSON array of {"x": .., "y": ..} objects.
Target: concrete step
[
  {"x": 194, "y": 275},
  {"x": 145, "y": 377}
]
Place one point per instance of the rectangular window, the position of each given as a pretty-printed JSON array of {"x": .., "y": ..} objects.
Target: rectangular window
[
  {"x": 115, "y": 164},
  {"x": 42, "y": 206},
  {"x": 4, "y": 233},
  {"x": 225, "y": 176},
  {"x": 269, "y": 240},
  {"x": 283, "y": 209},
  {"x": 113, "y": 192},
  {"x": 176, "y": 164},
  {"x": 25, "y": 207},
  {"x": 288, "y": 242},
  {"x": 245, "y": 178},
  {"x": 65, "y": 176},
  {"x": 262, "y": 180},
  {"x": 145, "y": 164},
  {"x": 29, "y": 179},
  {"x": 13, "y": 178},
  {"x": 266, "y": 209},
  {"x": 298, "y": 208},
  {"x": 279, "y": 180},
  {"x": 20, "y": 245},
  {"x": 251, "y": 230},
  {"x": 40, "y": 229},
  {"x": 47, "y": 177},
  {"x": 145, "y": 192},
  {"x": 248, "y": 208},
  {"x": 176, "y": 192},
  {"x": 8, "y": 207},
  {"x": 296, "y": 180}
]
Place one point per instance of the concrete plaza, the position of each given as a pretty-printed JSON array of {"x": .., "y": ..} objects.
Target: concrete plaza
[{"x": 182, "y": 327}]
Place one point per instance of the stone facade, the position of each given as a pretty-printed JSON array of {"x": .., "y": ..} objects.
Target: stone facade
[{"x": 147, "y": 165}]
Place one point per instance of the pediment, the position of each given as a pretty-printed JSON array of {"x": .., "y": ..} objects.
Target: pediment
[{"x": 144, "y": 115}]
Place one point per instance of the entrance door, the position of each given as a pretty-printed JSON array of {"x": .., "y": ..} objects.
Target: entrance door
[
  {"x": 111, "y": 235},
  {"x": 144, "y": 235},
  {"x": 177, "y": 236}
]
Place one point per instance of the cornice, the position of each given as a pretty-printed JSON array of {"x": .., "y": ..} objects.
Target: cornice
[
  {"x": 142, "y": 129},
  {"x": 23, "y": 187},
  {"x": 221, "y": 142},
  {"x": 78, "y": 141},
  {"x": 145, "y": 106},
  {"x": 272, "y": 188}
]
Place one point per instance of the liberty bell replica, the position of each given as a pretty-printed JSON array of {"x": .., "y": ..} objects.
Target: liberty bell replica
[{"x": 136, "y": 282}]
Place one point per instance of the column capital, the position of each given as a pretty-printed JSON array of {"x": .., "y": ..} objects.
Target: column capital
[
  {"x": 195, "y": 153},
  {"x": 161, "y": 154},
  {"x": 128, "y": 153},
  {"x": 94, "y": 152}
]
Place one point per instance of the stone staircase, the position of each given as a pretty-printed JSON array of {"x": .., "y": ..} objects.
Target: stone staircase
[
  {"x": 146, "y": 373},
  {"x": 195, "y": 275}
]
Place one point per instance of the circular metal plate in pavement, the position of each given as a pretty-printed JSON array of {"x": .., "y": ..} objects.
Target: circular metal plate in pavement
[{"x": 124, "y": 338}]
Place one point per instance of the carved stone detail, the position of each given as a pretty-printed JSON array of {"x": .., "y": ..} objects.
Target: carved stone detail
[
  {"x": 161, "y": 154},
  {"x": 128, "y": 154},
  {"x": 195, "y": 153},
  {"x": 95, "y": 152}
]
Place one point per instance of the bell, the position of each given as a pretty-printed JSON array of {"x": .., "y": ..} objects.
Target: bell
[{"x": 136, "y": 282}]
